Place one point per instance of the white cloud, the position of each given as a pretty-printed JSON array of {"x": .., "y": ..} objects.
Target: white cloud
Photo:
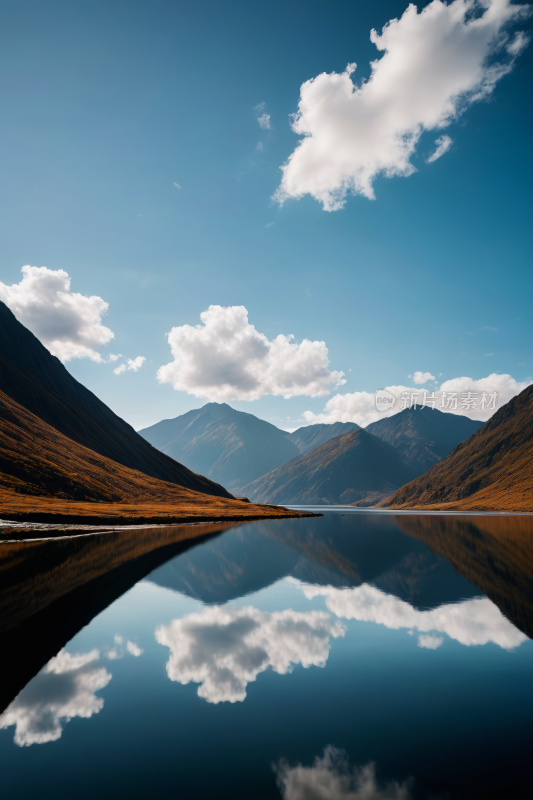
[
  {"x": 67, "y": 323},
  {"x": 471, "y": 622},
  {"x": 422, "y": 377},
  {"x": 443, "y": 145},
  {"x": 262, "y": 117},
  {"x": 224, "y": 648},
  {"x": 226, "y": 358},
  {"x": 113, "y": 357},
  {"x": 133, "y": 363},
  {"x": 136, "y": 363},
  {"x": 118, "y": 650},
  {"x": 332, "y": 778},
  {"x": 430, "y": 642},
  {"x": 264, "y": 121},
  {"x": 360, "y": 407},
  {"x": 177, "y": 185},
  {"x": 64, "y": 689},
  {"x": 434, "y": 65},
  {"x": 134, "y": 649}
]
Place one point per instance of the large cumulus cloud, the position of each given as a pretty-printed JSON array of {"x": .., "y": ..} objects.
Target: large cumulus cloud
[
  {"x": 226, "y": 358},
  {"x": 434, "y": 64}
]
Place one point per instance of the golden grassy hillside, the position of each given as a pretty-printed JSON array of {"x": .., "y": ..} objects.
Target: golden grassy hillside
[
  {"x": 45, "y": 476},
  {"x": 36, "y": 380},
  {"x": 490, "y": 471}
]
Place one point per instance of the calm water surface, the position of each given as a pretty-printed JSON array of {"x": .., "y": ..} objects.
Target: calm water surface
[{"x": 356, "y": 656}]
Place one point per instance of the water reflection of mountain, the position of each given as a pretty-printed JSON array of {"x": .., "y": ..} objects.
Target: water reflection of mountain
[
  {"x": 335, "y": 550},
  {"x": 493, "y": 553},
  {"x": 50, "y": 590}
]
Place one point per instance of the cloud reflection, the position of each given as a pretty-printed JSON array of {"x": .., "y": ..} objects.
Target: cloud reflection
[
  {"x": 429, "y": 642},
  {"x": 134, "y": 649},
  {"x": 224, "y": 649},
  {"x": 470, "y": 622},
  {"x": 64, "y": 689},
  {"x": 332, "y": 777}
]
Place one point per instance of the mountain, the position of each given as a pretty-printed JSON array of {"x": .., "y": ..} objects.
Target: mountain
[
  {"x": 492, "y": 470},
  {"x": 38, "y": 381},
  {"x": 306, "y": 439},
  {"x": 354, "y": 467},
  {"x": 423, "y": 436},
  {"x": 229, "y": 446},
  {"x": 46, "y": 476}
]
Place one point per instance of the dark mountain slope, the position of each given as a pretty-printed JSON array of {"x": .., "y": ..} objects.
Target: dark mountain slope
[
  {"x": 423, "y": 436},
  {"x": 356, "y": 467},
  {"x": 492, "y": 470},
  {"x": 44, "y": 475},
  {"x": 229, "y": 446},
  {"x": 306, "y": 439},
  {"x": 38, "y": 381}
]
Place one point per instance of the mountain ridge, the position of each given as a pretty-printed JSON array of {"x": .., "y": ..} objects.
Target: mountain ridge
[
  {"x": 422, "y": 435},
  {"x": 39, "y": 382},
  {"x": 229, "y": 446},
  {"x": 351, "y": 468},
  {"x": 45, "y": 476},
  {"x": 310, "y": 437}
]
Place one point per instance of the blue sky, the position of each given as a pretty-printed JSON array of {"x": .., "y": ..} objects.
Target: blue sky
[{"x": 108, "y": 105}]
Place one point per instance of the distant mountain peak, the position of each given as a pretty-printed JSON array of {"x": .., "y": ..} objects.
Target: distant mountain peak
[
  {"x": 423, "y": 435},
  {"x": 353, "y": 467},
  {"x": 232, "y": 447}
]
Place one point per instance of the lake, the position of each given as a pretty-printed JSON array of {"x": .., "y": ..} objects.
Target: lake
[{"x": 355, "y": 655}]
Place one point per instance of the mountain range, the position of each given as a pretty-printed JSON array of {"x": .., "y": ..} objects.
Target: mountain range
[
  {"x": 356, "y": 467},
  {"x": 492, "y": 470},
  {"x": 252, "y": 457},
  {"x": 64, "y": 453}
]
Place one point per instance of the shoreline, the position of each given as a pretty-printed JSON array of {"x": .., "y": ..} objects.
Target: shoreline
[
  {"x": 418, "y": 510},
  {"x": 71, "y": 527}
]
